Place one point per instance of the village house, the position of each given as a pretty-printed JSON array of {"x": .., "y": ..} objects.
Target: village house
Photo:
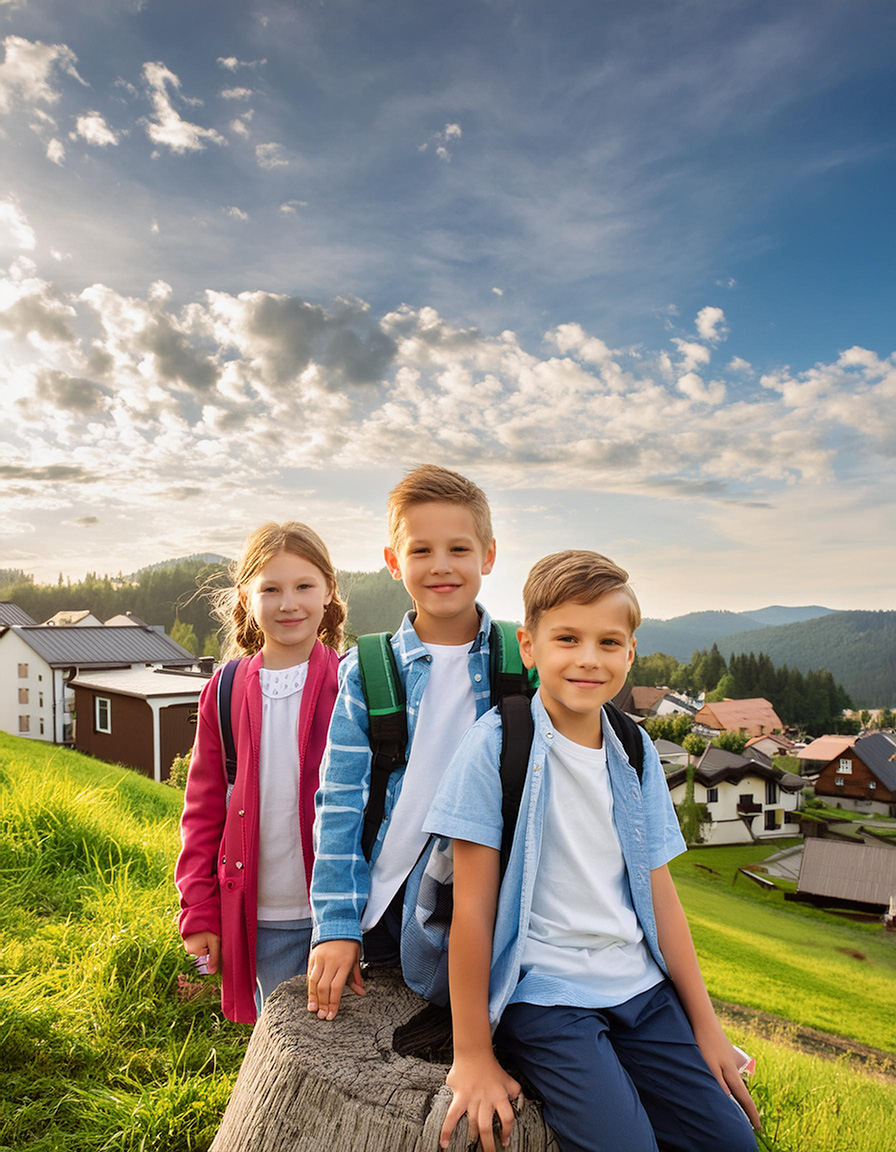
[
  {"x": 861, "y": 776},
  {"x": 671, "y": 753},
  {"x": 771, "y": 745},
  {"x": 142, "y": 717},
  {"x": 640, "y": 700},
  {"x": 822, "y": 751},
  {"x": 12, "y": 614},
  {"x": 82, "y": 618},
  {"x": 756, "y": 717},
  {"x": 851, "y": 875},
  {"x": 37, "y": 665},
  {"x": 746, "y": 798}
]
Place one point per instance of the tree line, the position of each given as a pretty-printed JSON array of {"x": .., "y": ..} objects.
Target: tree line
[{"x": 812, "y": 701}]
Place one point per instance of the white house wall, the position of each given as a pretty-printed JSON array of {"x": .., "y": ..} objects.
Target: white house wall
[
  {"x": 727, "y": 826},
  {"x": 39, "y": 682}
]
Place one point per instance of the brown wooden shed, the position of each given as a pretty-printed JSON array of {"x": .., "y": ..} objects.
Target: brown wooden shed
[{"x": 142, "y": 717}]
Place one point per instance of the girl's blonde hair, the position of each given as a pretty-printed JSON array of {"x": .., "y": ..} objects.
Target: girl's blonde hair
[{"x": 242, "y": 636}]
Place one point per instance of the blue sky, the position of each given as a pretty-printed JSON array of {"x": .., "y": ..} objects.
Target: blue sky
[{"x": 629, "y": 265}]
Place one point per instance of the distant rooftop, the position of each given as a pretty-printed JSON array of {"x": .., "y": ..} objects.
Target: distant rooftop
[
  {"x": 735, "y": 714},
  {"x": 67, "y": 616},
  {"x": 142, "y": 682},
  {"x": 12, "y": 614},
  {"x": 859, "y": 872},
  {"x": 101, "y": 646},
  {"x": 826, "y": 748},
  {"x": 878, "y": 753}
]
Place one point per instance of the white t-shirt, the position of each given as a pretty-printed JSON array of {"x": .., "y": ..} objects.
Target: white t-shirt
[
  {"x": 582, "y": 926},
  {"x": 282, "y": 891},
  {"x": 447, "y": 710}
]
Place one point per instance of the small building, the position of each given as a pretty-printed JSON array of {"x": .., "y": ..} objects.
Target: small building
[
  {"x": 82, "y": 618},
  {"x": 12, "y": 614},
  {"x": 37, "y": 665},
  {"x": 747, "y": 799},
  {"x": 857, "y": 875},
  {"x": 771, "y": 745},
  {"x": 123, "y": 619},
  {"x": 821, "y": 751},
  {"x": 671, "y": 753},
  {"x": 756, "y": 717},
  {"x": 142, "y": 717},
  {"x": 674, "y": 704},
  {"x": 862, "y": 777}
]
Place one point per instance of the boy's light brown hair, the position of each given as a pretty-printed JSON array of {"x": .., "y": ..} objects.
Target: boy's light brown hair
[
  {"x": 576, "y": 576},
  {"x": 430, "y": 483}
]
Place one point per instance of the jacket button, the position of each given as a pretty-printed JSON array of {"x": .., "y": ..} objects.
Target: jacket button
[
  {"x": 223, "y": 859},
  {"x": 478, "y": 677},
  {"x": 239, "y": 863},
  {"x": 230, "y": 885},
  {"x": 242, "y": 812},
  {"x": 549, "y": 735},
  {"x": 537, "y": 767}
]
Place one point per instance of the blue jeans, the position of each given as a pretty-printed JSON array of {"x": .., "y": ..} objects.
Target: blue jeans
[
  {"x": 624, "y": 1079},
  {"x": 281, "y": 952}
]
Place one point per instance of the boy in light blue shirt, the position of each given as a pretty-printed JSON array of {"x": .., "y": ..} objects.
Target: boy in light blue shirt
[{"x": 581, "y": 959}]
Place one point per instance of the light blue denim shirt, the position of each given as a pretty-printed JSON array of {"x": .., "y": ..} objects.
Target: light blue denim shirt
[
  {"x": 340, "y": 883},
  {"x": 467, "y": 806}
]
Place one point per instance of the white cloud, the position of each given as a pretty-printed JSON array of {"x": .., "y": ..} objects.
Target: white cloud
[
  {"x": 241, "y": 124},
  {"x": 695, "y": 389},
  {"x": 236, "y": 93},
  {"x": 738, "y": 364},
  {"x": 710, "y": 324},
  {"x": 288, "y": 208},
  {"x": 15, "y": 224},
  {"x": 93, "y": 129},
  {"x": 270, "y": 155},
  {"x": 236, "y": 213},
  {"x": 730, "y": 282},
  {"x": 56, "y": 152},
  {"x": 692, "y": 355},
  {"x": 28, "y": 69},
  {"x": 442, "y": 139},
  {"x": 231, "y": 63},
  {"x": 498, "y": 291},
  {"x": 167, "y": 127},
  {"x": 154, "y": 227}
]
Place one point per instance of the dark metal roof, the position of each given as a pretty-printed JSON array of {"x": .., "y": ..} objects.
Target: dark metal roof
[
  {"x": 63, "y": 647},
  {"x": 878, "y": 753},
  {"x": 12, "y": 614},
  {"x": 848, "y": 871}
]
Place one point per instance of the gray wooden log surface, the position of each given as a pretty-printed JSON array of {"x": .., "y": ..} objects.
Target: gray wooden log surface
[{"x": 308, "y": 1085}]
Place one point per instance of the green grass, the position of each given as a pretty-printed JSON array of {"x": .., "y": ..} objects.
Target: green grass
[{"x": 98, "y": 1054}]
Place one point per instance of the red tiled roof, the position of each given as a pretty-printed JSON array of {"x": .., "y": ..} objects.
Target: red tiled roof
[
  {"x": 734, "y": 714},
  {"x": 826, "y": 748}
]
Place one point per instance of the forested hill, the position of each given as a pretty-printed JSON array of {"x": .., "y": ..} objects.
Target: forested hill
[
  {"x": 857, "y": 648},
  {"x": 168, "y": 592},
  {"x": 683, "y": 635}
]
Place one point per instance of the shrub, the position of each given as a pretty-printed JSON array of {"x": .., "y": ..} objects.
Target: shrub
[{"x": 177, "y": 773}]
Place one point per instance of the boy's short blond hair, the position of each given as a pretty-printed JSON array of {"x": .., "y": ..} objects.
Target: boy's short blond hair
[
  {"x": 578, "y": 576},
  {"x": 430, "y": 483}
]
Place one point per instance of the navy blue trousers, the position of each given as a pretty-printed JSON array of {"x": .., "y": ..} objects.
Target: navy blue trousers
[{"x": 624, "y": 1079}]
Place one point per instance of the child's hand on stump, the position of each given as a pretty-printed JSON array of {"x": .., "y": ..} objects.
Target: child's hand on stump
[
  {"x": 330, "y": 965},
  {"x": 481, "y": 1089}
]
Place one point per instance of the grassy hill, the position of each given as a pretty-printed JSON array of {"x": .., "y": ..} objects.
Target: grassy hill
[
  {"x": 99, "y": 1053},
  {"x": 857, "y": 648}
]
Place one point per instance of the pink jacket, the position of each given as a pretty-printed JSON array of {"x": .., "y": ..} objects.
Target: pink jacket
[{"x": 217, "y": 870}]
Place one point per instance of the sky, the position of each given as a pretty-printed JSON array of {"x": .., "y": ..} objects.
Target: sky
[{"x": 628, "y": 265}]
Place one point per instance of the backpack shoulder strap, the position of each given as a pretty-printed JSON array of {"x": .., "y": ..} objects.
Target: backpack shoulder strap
[
  {"x": 629, "y": 734},
  {"x": 517, "y": 730},
  {"x": 384, "y": 695},
  {"x": 507, "y": 674},
  {"x": 225, "y": 718}
]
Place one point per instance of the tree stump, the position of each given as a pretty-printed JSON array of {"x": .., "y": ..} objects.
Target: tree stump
[{"x": 307, "y": 1085}]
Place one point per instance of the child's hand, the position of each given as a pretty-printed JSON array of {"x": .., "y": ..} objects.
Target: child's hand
[
  {"x": 718, "y": 1052},
  {"x": 205, "y": 944},
  {"x": 481, "y": 1088},
  {"x": 330, "y": 965}
]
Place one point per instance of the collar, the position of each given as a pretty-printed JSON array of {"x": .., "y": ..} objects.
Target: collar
[{"x": 411, "y": 647}]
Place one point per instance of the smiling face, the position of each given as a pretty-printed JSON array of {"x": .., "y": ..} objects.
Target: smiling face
[
  {"x": 441, "y": 561},
  {"x": 583, "y": 653},
  {"x": 287, "y": 598}
]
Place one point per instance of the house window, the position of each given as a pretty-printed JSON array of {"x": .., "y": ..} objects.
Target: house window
[
  {"x": 770, "y": 823},
  {"x": 24, "y": 723},
  {"x": 845, "y": 766},
  {"x": 41, "y": 725},
  {"x": 23, "y": 671},
  {"x": 872, "y": 783},
  {"x": 102, "y": 714},
  {"x": 771, "y": 792},
  {"x": 23, "y": 695},
  {"x": 41, "y": 699},
  {"x": 839, "y": 782},
  {"x": 712, "y": 795}
]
